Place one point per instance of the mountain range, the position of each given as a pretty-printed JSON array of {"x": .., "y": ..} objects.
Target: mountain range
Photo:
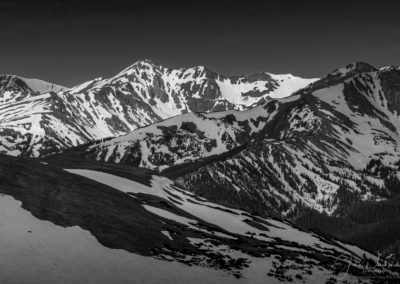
[
  {"x": 305, "y": 149},
  {"x": 252, "y": 177},
  {"x": 38, "y": 118}
]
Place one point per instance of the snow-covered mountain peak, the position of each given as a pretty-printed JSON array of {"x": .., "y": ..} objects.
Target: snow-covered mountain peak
[
  {"x": 131, "y": 68},
  {"x": 34, "y": 85},
  {"x": 341, "y": 74},
  {"x": 14, "y": 88}
]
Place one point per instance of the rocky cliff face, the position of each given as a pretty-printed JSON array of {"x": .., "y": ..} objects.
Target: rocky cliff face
[{"x": 391, "y": 88}]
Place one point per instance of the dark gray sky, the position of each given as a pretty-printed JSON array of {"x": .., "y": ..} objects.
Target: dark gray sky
[{"x": 70, "y": 41}]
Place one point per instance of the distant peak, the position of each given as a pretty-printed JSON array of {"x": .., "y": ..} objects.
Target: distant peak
[
  {"x": 362, "y": 67},
  {"x": 354, "y": 68},
  {"x": 141, "y": 64},
  {"x": 9, "y": 77},
  {"x": 146, "y": 62},
  {"x": 204, "y": 69},
  {"x": 11, "y": 80},
  {"x": 389, "y": 68},
  {"x": 34, "y": 85},
  {"x": 342, "y": 74},
  {"x": 152, "y": 63}
]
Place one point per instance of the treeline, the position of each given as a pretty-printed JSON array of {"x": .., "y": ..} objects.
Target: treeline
[
  {"x": 371, "y": 225},
  {"x": 388, "y": 174},
  {"x": 372, "y": 211},
  {"x": 313, "y": 220}
]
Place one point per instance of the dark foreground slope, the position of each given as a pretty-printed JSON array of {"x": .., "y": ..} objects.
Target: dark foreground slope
[{"x": 77, "y": 221}]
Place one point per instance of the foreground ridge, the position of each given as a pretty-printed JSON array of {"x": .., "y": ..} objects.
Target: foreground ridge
[{"x": 104, "y": 218}]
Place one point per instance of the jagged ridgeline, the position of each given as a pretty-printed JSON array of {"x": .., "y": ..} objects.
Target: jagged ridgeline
[{"x": 38, "y": 118}]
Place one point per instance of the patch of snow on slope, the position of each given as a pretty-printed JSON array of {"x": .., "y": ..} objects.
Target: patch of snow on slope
[
  {"x": 235, "y": 92},
  {"x": 288, "y": 84}
]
